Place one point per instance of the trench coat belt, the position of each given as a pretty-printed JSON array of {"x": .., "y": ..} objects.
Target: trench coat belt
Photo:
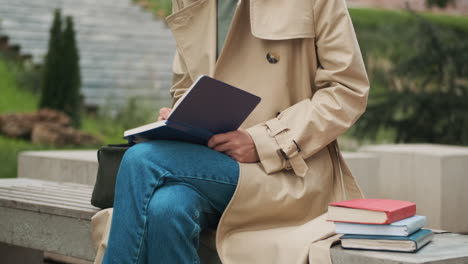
[{"x": 288, "y": 147}]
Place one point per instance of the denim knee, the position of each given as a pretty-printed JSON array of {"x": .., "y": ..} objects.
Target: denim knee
[{"x": 174, "y": 207}]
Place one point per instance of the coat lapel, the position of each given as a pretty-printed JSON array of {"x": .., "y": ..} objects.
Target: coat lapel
[{"x": 195, "y": 36}]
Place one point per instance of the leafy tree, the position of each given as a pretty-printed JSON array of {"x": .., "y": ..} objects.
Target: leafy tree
[
  {"x": 423, "y": 94},
  {"x": 62, "y": 80}
]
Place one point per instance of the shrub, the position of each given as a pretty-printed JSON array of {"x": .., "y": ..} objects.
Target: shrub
[
  {"x": 71, "y": 74},
  {"x": 420, "y": 89},
  {"x": 439, "y": 3},
  {"x": 61, "y": 80}
]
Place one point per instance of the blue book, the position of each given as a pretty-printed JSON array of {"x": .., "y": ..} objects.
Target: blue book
[
  {"x": 209, "y": 107},
  {"x": 403, "y": 227},
  {"x": 410, "y": 243}
]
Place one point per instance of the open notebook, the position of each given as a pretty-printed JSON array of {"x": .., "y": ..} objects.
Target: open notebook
[{"x": 209, "y": 107}]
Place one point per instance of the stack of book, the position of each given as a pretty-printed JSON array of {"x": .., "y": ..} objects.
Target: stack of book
[{"x": 379, "y": 224}]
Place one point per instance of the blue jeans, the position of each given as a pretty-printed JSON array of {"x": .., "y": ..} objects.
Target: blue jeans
[{"x": 166, "y": 193}]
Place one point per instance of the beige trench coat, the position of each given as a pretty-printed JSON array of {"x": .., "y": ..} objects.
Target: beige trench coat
[{"x": 313, "y": 90}]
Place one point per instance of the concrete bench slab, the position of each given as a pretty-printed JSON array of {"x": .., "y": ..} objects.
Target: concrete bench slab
[
  {"x": 47, "y": 216},
  {"x": 55, "y": 217},
  {"x": 446, "y": 248},
  {"x": 27, "y": 201},
  {"x": 435, "y": 177},
  {"x": 80, "y": 166}
]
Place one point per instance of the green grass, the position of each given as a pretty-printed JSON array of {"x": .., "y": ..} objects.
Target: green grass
[
  {"x": 457, "y": 22},
  {"x": 107, "y": 129},
  {"x": 161, "y": 8},
  {"x": 9, "y": 150},
  {"x": 13, "y": 98},
  {"x": 164, "y": 7},
  {"x": 372, "y": 18}
]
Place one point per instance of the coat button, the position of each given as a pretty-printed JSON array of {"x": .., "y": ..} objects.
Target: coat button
[{"x": 272, "y": 58}]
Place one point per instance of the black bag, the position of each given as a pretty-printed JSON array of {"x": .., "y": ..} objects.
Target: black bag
[{"x": 109, "y": 158}]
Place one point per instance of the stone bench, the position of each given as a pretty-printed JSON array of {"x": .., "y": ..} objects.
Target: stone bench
[
  {"x": 47, "y": 216},
  {"x": 55, "y": 168},
  {"x": 55, "y": 217}
]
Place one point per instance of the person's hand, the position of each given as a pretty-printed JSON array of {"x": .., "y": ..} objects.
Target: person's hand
[
  {"x": 164, "y": 113},
  {"x": 238, "y": 145}
]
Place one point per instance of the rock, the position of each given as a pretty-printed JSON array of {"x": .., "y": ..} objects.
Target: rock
[
  {"x": 56, "y": 134},
  {"x": 45, "y": 126},
  {"x": 49, "y": 115},
  {"x": 21, "y": 124},
  {"x": 16, "y": 125}
]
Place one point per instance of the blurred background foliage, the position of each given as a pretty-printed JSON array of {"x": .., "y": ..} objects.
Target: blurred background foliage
[
  {"x": 439, "y": 3},
  {"x": 418, "y": 69}
]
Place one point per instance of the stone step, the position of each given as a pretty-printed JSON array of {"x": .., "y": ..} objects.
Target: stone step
[
  {"x": 17, "y": 13},
  {"x": 110, "y": 78},
  {"x": 76, "y": 9},
  {"x": 159, "y": 88},
  {"x": 115, "y": 74},
  {"x": 35, "y": 29},
  {"x": 165, "y": 56},
  {"x": 123, "y": 94},
  {"x": 99, "y": 42},
  {"x": 119, "y": 102},
  {"x": 146, "y": 49},
  {"x": 102, "y": 3},
  {"x": 145, "y": 80},
  {"x": 96, "y": 65}
]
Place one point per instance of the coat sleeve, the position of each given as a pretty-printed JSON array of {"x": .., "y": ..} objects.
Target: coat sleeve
[{"x": 342, "y": 88}]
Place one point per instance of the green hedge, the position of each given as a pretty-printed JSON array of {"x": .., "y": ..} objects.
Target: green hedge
[
  {"x": 418, "y": 72},
  {"x": 372, "y": 18}
]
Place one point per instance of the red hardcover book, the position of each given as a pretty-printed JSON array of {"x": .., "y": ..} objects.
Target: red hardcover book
[{"x": 370, "y": 211}]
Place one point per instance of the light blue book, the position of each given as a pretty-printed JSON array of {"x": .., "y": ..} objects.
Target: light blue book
[
  {"x": 411, "y": 243},
  {"x": 403, "y": 227}
]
